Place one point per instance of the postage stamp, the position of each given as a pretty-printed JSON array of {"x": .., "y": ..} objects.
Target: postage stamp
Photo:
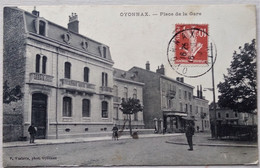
[
  {"x": 191, "y": 51},
  {"x": 191, "y": 43}
]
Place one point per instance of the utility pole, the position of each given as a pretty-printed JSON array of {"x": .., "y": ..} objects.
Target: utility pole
[{"x": 213, "y": 86}]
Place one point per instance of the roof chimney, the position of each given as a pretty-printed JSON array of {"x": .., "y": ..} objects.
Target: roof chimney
[
  {"x": 147, "y": 66},
  {"x": 161, "y": 70},
  {"x": 201, "y": 96},
  {"x": 35, "y": 12},
  {"x": 73, "y": 24}
]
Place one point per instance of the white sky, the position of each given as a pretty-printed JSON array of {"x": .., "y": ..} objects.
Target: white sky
[{"x": 135, "y": 40}]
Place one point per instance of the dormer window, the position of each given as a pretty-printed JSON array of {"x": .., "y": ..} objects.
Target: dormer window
[
  {"x": 103, "y": 51},
  {"x": 41, "y": 26}
]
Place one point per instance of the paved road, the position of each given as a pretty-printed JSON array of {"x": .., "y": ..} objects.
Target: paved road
[{"x": 145, "y": 151}]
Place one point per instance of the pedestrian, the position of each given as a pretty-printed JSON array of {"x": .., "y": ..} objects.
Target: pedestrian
[
  {"x": 115, "y": 132},
  {"x": 189, "y": 133},
  {"x": 32, "y": 132},
  {"x": 198, "y": 129}
]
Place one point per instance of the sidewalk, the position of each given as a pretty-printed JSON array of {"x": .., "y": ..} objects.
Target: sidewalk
[
  {"x": 204, "y": 139},
  {"x": 79, "y": 140},
  {"x": 199, "y": 139}
]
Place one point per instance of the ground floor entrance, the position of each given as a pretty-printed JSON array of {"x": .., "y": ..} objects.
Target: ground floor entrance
[
  {"x": 39, "y": 114},
  {"x": 173, "y": 122}
]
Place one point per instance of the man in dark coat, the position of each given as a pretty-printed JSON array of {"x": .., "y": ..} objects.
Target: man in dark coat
[
  {"x": 115, "y": 132},
  {"x": 32, "y": 132},
  {"x": 189, "y": 133}
]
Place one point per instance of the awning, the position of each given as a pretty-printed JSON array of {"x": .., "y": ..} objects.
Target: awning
[{"x": 175, "y": 114}]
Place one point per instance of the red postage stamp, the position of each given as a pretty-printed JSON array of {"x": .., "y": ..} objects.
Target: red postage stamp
[{"x": 191, "y": 44}]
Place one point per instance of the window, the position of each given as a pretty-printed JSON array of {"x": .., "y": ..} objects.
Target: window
[
  {"x": 86, "y": 74},
  {"x": 67, "y": 107},
  {"x": 169, "y": 103},
  {"x": 125, "y": 94},
  {"x": 235, "y": 114},
  {"x": 180, "y": 93},
  {"x": 44, "y": 61},
  {"x": 186, "y": 108},
  {"x": 197, "y": 109},
  {"x": 40, "y": 68},
  {"x": 227, "y": 115},
  {"x": 104, "y": 79},
  {"x": 181, "y": 109},
  {"x": 135, "y": 116},
  {"x": 42, "y": 25},
  {"x": 185, "y": 95},
  {"x": 219, "y": 115},
  {"x": 104, "y": 105},
  {"x": 85, "y": 108},
  {"x": 190, "y": 108},
  {"x": 201, "y": 109},
  {"x": 135, "y": 94},
  {"x": 38, "y": 59},
  {"x": 190, "y": 96},
  {"x": 104, "y": 52},
  {"x": 67, "y": 70}
]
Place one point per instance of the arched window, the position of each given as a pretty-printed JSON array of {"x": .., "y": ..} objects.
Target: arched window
[
  {"x": 42, "y": 27},
  {"x": 67, "y": 107},
  {"x": 86, "y": 74},
  {"x": 104, "y": 112},
  {"x": 85, "y": 108},
  {"x": 37, "y": 67},
  {"x": 44, "y": 61},
  {"x": 67, "y": 70}
]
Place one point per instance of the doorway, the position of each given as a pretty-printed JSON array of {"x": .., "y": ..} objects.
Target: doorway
[{"x": 39, "y": 114}]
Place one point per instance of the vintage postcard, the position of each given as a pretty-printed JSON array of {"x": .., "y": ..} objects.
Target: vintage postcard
[{"x": 122, "y": 85}]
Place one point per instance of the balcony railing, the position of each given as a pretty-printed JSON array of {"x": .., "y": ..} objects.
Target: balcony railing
[
  {"x": 78, "y": 85},
  {"x": 41, "y": 78},
  {"x": 171, "y": 93},
  {"x": 106, "y": 90}
]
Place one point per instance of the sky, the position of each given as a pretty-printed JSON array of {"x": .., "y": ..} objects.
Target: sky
[{"x": 135, "y": 40}]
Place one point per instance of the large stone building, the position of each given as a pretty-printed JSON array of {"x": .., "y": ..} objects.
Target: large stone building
[
  {"x": 167, "y": 102},
  {"x": 66, "y": 78},
  {"x": 126, "y": 86}
]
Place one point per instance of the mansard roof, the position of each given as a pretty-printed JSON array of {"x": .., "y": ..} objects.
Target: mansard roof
[
  {"x": 126, "y": 76},
  {"x": 56, "y": 33}
]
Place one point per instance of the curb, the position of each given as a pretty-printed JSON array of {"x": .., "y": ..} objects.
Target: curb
[
  {"x": 83, "y": 140},
  {"x": 214, "y": 145}
]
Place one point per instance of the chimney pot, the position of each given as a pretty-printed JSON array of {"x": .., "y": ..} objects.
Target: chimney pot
[
  {"x": 147, "y": 66},
  {"x": 73, "y": 24}
]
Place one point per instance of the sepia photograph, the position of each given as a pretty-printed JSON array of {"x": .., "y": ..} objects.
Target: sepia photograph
[{"x": 129, "y": 85}]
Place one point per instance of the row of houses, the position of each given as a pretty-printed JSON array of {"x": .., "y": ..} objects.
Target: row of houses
[{"x": 71, "y": 88}]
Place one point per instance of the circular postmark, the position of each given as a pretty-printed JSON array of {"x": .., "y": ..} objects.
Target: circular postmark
[{"x": 191, "y": 52}]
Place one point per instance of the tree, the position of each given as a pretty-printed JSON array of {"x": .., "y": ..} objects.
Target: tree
[
  {"x": 238, "y": 91},
  {"x": 11, "y": 95},
  {"x": 130, "y": 106}
]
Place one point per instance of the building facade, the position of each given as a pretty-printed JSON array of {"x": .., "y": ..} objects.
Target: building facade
[
  {"x": 168, "y": 103},
  {"x": 66, "y": 78},
  {"x": 126, "y": 86},
  {"x": 200, "y": 112},
  {"x": 228, "y": 116}
]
